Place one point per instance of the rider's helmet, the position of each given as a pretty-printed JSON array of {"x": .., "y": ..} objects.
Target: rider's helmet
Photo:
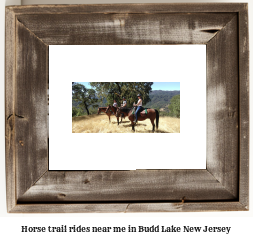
[{"x": 138, "y": 95}]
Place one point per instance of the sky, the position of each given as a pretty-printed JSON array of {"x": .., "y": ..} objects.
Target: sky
[{"x": 169, "y": 86}]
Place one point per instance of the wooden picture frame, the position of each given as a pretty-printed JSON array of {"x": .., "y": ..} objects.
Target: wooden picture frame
[{"x": 222, "y": 186}]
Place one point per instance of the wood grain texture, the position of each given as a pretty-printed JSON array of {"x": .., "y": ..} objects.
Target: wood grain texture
[
  {"x": 186, "y": 207},
  {"x": 244, "y": 106},
  {"x": 9, "y": 109},
  {"x": 120, "y": 29},
  {"x": 223, "y": 107},
  {"x": 129, "y": 8},
  {"x": 140, "y": 185},
  {"x": 129, "y": 207},
  {"x": 30, "y": 108}
]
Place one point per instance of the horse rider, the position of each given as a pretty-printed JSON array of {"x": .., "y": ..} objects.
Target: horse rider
[
  {"x": 115, "y": 103},
  {"x": 139, "y": 107},
  {"x": 124, "y": 104}
]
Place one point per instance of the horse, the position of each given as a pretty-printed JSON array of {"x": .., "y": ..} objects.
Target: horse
[
  {"x": 113, "y": 109},
  {"x": 108, "y": 113},
  {"x": 152, "y": 114}
]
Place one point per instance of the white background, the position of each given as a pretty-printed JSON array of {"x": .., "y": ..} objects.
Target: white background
[
  {"x": 241, "y": 222},
  {"x": 179, "y": 63}
]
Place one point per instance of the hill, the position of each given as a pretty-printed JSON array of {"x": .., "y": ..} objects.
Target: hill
[{"x": 160, "y": 98}]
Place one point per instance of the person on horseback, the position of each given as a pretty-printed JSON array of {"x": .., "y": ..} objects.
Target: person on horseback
[
  {"x": 124, "y": 104},
  {"x": 139, "y": 107},
  {"x": 115, "y": 103}
]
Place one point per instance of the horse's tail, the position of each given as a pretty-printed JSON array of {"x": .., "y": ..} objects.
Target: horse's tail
[{"x": 157, "y": 118}]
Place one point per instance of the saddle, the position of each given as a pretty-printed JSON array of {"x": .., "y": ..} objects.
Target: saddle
[{"x": 141, "y": 111}]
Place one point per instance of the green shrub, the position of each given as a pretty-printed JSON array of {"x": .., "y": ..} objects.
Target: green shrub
[{"x": 174, "y": 106}]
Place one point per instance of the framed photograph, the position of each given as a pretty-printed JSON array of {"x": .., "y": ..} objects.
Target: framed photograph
[
  {"x": 94, "y": 106},
  {"x": 34, "y": 186}
]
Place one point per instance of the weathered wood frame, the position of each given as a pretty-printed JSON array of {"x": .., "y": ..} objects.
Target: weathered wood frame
[{"x": 222, "y": 186}]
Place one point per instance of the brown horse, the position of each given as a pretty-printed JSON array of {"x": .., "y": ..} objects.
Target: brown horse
[
  {"x": 152, "y": 114},
  {"x": 114, "y": 110},
  {"x": 103, "y": 109}
]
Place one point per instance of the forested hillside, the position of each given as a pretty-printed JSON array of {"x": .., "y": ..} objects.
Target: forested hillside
[{"x": 161, "y": 99}]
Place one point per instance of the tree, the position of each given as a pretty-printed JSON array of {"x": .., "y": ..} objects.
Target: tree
[
  {"x": 174, "y": 106},
  {"x": 117, "y": 90},
  {"x": 85, "y": 97},
  {"x": 74, "y": 111}
]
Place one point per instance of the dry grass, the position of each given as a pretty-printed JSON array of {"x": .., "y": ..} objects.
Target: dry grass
[{"x": 100, "y": 124}]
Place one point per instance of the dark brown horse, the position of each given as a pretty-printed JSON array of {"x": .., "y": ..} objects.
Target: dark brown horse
[
  {"x": 103, "y": 109},
  {"x": 152, "y": 114},
  {"x": 114, "y": 110}
]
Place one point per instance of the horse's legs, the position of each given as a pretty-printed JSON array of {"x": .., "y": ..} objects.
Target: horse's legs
[
  {"x": 132, "y": 126},
  {"x": 118, "y": 120},
  {"x": 153, "y": 124}
]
